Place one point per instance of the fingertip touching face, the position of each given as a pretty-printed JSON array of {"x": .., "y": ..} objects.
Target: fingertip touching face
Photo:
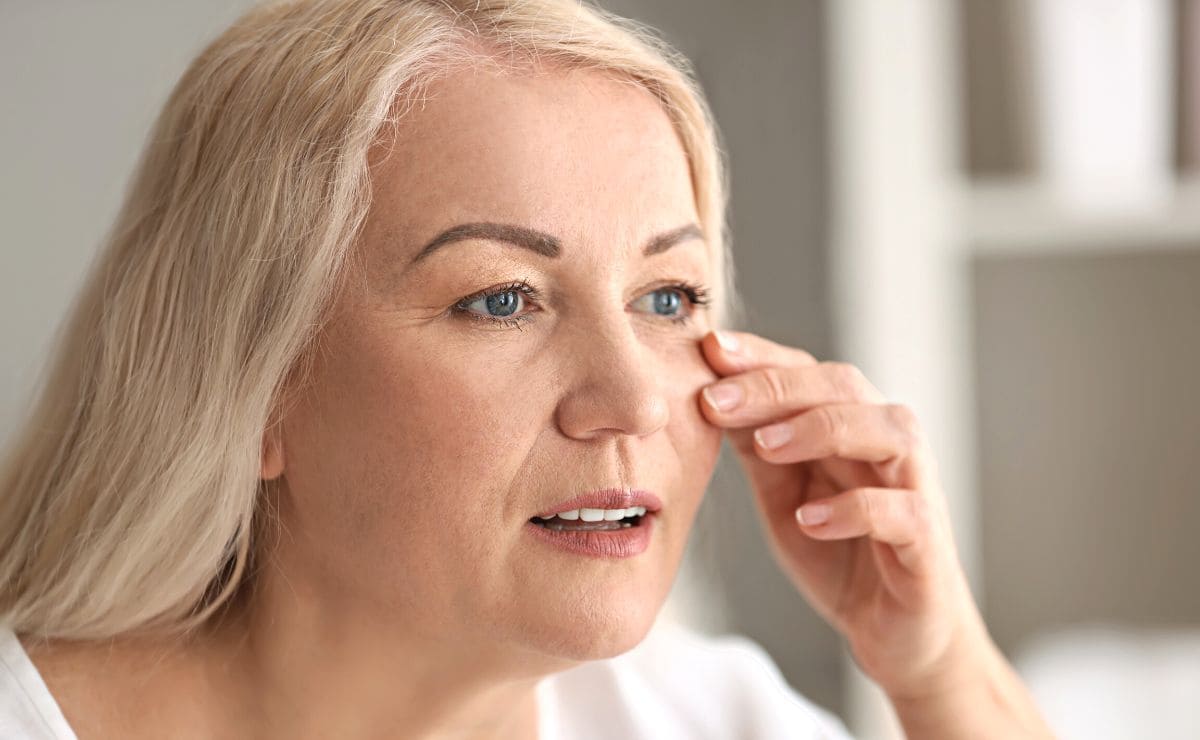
[{"x": 524, "y": 329}]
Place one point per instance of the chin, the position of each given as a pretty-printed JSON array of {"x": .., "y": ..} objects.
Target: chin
[{"x": 585, "y": 629}]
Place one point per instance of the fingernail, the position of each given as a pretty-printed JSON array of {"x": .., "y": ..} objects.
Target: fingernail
[
  {"x": 723, "y": 396},
  {"x": 774, "y": 436},
  {"x": 814, "y": 513},
  {"x": 728, "y": 342}
]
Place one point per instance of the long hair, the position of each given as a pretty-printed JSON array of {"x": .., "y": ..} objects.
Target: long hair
[{"x": 131, "y": 498}]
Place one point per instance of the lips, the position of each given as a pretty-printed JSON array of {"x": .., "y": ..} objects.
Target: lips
[
  {"x": 627, "y": 542},
  {"x": 610, "y": 498}
]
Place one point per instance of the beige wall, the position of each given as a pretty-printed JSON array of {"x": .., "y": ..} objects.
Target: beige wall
[{"x": 1089, "y": 439}]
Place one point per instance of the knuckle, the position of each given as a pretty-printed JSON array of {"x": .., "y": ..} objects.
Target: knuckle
[
  {"x": 775, "y": 385},
  {"x": 847, "y": 379},
  {"x": 831, "y": 423},
  {"x": 872, "y": 508}
]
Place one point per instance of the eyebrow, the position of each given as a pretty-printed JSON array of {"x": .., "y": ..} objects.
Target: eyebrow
[{"x": 539, "y": 241}]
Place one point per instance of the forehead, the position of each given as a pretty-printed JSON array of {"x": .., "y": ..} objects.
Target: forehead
[{"x": 576, "y": 153}]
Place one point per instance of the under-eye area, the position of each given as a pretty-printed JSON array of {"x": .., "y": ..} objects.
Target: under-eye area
[{"x": 593, "y": 520}]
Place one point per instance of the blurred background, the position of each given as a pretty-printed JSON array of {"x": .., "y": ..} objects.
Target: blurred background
[{"x": 991, "y": 206}]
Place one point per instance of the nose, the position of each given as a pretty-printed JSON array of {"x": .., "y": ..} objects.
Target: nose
[{"x": 616, "y": 386}]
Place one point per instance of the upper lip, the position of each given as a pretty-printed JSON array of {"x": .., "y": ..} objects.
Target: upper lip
[{"x": 609, "y": 498}]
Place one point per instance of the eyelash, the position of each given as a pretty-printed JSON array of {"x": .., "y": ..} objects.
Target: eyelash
[
  {"x": 697, "y": 295},
  {"x": 515, "y": 322}
]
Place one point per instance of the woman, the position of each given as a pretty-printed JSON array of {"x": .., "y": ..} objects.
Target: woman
[{"x": 389, "y": 404}]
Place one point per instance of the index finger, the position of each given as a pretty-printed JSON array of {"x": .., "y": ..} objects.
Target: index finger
[{"x": 730, "y": 352}]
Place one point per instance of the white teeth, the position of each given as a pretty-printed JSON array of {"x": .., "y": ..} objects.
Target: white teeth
[{"x": 598, "y": 515}]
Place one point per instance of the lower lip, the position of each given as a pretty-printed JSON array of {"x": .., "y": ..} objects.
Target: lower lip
[{"x": 615, "y": 543}]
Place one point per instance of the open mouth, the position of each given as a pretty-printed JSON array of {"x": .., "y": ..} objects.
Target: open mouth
[{"x": 593, "y": 520}]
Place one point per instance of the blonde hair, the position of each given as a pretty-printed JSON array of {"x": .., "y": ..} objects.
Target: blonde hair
[{"x": 131, "y": 498}]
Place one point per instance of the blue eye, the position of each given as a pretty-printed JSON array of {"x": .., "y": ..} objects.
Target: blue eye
[
  {"x": 498, "y": 305},
  {"x": 667, "y": 301},
  {"x": 663, "y": 302},
  {"x": 503, "y": 305}
]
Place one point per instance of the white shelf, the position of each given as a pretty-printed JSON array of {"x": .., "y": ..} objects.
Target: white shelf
[{"x": 1023, "y": 217}]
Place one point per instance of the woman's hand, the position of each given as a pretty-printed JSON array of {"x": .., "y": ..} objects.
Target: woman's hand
[{"x": 848, "y": 491}]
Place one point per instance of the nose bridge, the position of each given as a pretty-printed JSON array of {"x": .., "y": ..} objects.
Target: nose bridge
[{"x": 615, "y": 384}]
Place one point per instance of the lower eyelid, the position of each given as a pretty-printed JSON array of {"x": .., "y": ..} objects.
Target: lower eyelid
[{"x": 493, "y": 322}]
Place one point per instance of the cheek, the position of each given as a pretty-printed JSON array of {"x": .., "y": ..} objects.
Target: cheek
[
  {"x": 696, "y": 442},
  {"x": 398, "y": 434},
  {"x": 685, "y": 374},
  {"x": 390, "y": 441},
  {"x": 443, "y": 425}
]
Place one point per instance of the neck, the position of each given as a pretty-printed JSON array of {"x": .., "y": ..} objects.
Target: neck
[{"x": 297, "y": 669}]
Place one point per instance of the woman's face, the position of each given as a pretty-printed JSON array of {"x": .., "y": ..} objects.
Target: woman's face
[{"x": 430, "y": 435}]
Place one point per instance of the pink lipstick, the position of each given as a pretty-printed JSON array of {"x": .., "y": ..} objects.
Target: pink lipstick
[{"x": 612, "y": 523}]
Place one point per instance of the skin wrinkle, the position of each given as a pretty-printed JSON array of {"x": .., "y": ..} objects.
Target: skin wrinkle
[{"x": 426, "y": 440}]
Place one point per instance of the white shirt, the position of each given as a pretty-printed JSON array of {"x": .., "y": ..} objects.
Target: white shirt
[{"x": 675, "y": 684}]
